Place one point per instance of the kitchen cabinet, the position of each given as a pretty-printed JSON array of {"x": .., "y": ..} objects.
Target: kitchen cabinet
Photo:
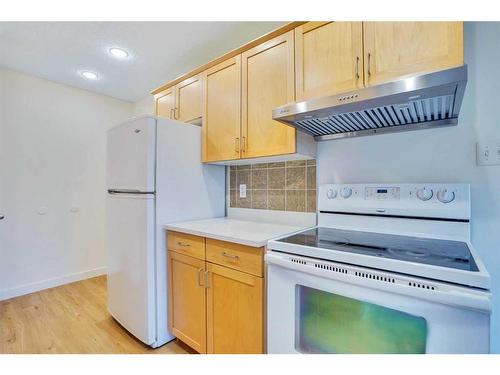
[
  {"x": 393, "y": 49},
  {"x": 187, "y": 299},
  {"x": 236, "y": 93},
  {"x": 328, "y": 58},
  {"x": 268, "y": 81},
  {"x": 187, "y": 244},
  {"x": 222, "y": 111},
  {"x": 188, "y": 105},
  {"x": 216, "y": 304},
  {"x": 182, "y": 102},
  {"x": 234, "y": 311},
  {"x": 165, "y": 103},
  {"x": 240, "y": 257}
]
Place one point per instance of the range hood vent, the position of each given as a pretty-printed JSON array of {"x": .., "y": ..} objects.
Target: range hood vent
[{"x": 414, "y": 102}]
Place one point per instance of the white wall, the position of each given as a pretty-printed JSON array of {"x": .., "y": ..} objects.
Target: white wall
[
  {"x": 441, "y": 155},
  {"x": 145, "y": 106},
  {"x": 52, "y": 157}
]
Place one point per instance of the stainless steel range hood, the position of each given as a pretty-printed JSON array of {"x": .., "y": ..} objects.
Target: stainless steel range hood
[{"x": 413, "y": 102}]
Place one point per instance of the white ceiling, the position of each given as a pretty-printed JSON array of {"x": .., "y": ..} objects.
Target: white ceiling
[{"x": 159, "y": 51}]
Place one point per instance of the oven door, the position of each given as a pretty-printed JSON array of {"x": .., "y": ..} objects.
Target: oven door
[{"x": 323, "y": 307}]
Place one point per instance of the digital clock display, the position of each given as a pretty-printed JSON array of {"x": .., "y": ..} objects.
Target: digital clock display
[{"x": 381, "y": 191}]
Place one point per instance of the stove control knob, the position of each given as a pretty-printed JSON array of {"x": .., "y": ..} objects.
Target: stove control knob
[
  {"x": 345, "y": 192},
  {"x": 445, "y": 196},
  {"x": 424, "y": 194},
  {"x": 331, "y": 193}
]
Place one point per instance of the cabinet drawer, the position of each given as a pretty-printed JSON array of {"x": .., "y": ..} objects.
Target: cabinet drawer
[
  {"x": 239, "y": 257},
  {"x": 186, "y": 244}
]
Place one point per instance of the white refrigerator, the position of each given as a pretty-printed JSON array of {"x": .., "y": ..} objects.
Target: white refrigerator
[{"x": 154, "y": 177}]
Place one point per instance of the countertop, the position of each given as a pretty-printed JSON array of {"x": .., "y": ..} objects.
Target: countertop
[{"x": 250, "y": 233}]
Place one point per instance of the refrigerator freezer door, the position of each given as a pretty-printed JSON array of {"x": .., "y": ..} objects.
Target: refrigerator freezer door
[
  {"x": 131, "y": 263},
  {"x": 131, "y": 155}
]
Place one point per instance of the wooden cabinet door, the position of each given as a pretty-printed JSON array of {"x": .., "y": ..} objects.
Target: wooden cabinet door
[
  {"x": 188, "y": 99},
  {"x": 268, "y": 81},
  {"x": 222, "y": 111},
  {"x": 165, "y": 103},
  {"x": 328, "y": 58},
  {"x": 394, "y": 49},
  {"x": 235, "y": 312},
  {"x": 187, "y": 300}
]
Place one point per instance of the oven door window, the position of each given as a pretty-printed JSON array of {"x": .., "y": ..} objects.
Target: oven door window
[{"x": 330, "y": 323}]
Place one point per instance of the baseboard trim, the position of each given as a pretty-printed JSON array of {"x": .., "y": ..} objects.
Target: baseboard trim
[{"x": 50, "y": 283}]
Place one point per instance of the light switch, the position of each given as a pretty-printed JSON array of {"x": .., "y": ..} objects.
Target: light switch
[
  {"x": 488, "y": 153},
  {"x": 243, "y": 190}
]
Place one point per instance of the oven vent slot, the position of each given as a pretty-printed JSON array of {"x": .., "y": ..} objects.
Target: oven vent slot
[
  {"x": 375, "y": 277},
  {"x": 421, "y": 286},
  {"x": 299, "y": 261},
  {"x": 330, "y": 268}
]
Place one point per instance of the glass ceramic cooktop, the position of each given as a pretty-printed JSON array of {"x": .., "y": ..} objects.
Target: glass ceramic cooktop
[{"x": 444, "y": 253}]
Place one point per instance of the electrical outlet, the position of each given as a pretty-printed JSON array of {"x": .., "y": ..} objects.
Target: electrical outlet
[
  {"x": 488, "y": 153},
  {"x": 243, "y": 190}
]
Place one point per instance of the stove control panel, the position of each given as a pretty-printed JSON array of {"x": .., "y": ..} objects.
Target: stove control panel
[
  {"x": 382, "y": 193},
  {"x": 447, "y": 200}
]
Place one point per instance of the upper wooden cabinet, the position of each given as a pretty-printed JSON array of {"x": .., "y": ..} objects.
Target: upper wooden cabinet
[
  {"x": 188, "y": 95},
  {"x": 328, "y": 58},
  {"x": 268, "y": 81},
  {"x": 222, "y": 111},
  {"x": 393, "y": 49},
  {"x": 165, "y": 103},
  {"x": 182, "y": 102},
  {"x": 234, "y": 95}
]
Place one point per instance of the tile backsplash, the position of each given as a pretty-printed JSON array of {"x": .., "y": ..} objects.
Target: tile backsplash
[{"x": 285, "y": 186}]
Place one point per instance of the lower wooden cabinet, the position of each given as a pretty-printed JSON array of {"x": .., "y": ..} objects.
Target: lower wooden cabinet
[
  {"x": 187, "y": 300},
  {"x": 234, "y": 311},
  {"x": 216, "y": 308}
]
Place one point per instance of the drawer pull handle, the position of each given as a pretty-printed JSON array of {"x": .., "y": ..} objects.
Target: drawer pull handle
[
  {"x": 230, "y": 256},
  {"x": 182, "y": 244}
]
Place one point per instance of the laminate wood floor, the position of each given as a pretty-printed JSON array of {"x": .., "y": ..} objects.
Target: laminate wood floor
[{"x": 72, "y": 318}]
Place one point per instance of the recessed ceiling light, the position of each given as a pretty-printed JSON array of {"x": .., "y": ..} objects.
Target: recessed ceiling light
[
  {"x": 118, "y": 52},
  {"x": 89, "y": 75}
]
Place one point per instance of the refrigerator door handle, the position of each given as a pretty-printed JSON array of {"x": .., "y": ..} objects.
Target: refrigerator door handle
[{"x": 128, "y": 191}]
